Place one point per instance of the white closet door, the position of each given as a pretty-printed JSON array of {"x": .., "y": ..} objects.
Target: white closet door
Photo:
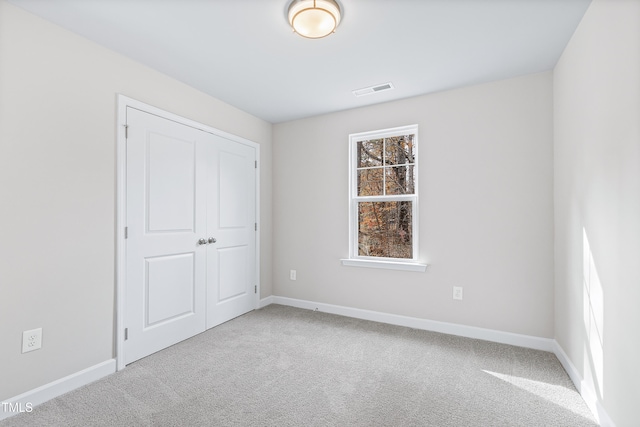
[
  {"x": 231, "y": 220},
  {"x": 166, "y": 216}
]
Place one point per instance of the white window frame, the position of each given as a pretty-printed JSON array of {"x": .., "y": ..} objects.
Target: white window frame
[{"x": 356, "y": 260}]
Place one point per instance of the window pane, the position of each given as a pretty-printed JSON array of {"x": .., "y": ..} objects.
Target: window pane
[
  {"x": 370, "y": 182},
  {"x": 400, "y": 180},
  {"x": 399, "y": 150},
  {"x": 369, "y": 153},
  {"x": 385, "y": 229}
]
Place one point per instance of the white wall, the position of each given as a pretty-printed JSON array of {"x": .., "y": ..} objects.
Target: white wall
[
  {"x": 597, "y": 204},
  {"x": 486, "y": 214},
  {"x": 57, "y": 192}
]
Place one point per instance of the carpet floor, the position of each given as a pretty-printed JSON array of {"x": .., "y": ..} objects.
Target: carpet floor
[{"x": 283, "y": 366}]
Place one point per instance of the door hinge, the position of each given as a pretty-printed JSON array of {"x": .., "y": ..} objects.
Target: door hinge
[
  {"x": 255, "y": 226},
  {"x": 126, "y": 334},
  {"x": 255, "y": 289},
  {"x": 126, "y": 131},
  {"x": 126, "y": 232},
  {"x": 256, "y": 164}
]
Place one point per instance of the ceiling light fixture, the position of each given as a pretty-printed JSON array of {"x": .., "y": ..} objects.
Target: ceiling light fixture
[{"x": 314, "y": 18}]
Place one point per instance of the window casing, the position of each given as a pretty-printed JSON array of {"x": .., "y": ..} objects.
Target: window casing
[{"x": 383, "y": 191}]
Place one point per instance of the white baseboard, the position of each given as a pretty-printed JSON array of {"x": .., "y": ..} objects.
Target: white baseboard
[
  {"x": 265, "y": 301},
  {"x": 584, "y": 388},
  {"x": 56, "y": 388},
  {"x": 537, "y": 343}
]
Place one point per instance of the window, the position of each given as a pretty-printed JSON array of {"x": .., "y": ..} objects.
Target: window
[{"x": 383, "y": 209}]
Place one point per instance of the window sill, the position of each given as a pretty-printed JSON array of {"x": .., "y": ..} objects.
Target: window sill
[{"x": 388, "y": 265}]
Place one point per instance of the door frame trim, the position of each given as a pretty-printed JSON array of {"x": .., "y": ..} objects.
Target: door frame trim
[{"x": 124, "y": 102}]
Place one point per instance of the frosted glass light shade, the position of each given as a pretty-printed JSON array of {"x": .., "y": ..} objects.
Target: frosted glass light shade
[{"x": 314, "y": 18}]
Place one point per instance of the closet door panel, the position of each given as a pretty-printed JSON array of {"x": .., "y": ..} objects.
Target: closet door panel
[
  {"x": 231, "y": 261},
  {"x": 165, "y": 300},
  {"x": 234, "y": 185}
]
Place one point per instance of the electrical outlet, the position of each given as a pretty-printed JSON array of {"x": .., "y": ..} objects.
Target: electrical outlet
[
  {"x": 457, "y": 292},
  {"x": 31, "y": 340},
  {"x": 292, "y": 275}
]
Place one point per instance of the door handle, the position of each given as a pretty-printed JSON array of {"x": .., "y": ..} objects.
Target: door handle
[
  {"x": 202, "y": 242},
  {"x": 212, "y": 240}
]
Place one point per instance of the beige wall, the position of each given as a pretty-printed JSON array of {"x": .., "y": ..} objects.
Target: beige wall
[
  {"x": 597, "y": 204},
  {"x": 486, "y": 215},
  {"x": 57, "y": 193}
]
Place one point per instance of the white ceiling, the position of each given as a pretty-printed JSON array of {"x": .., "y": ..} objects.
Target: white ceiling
[{"x": 244, "y": 53}]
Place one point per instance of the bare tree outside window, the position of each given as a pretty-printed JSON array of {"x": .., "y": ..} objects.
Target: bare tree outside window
[{"x": 385, "y": 169}]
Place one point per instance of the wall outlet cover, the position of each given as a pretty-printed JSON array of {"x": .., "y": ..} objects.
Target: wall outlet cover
[{"x": 31, "y": 340}]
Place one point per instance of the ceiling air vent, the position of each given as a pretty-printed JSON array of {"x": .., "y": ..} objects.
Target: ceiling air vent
[{"x": 373, "y": 89}]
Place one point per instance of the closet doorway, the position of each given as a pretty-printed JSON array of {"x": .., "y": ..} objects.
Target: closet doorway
[{"x": 189, "y": 230}]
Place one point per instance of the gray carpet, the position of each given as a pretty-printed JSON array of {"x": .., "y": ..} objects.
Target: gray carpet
[{"x": 282, "y": 366}]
